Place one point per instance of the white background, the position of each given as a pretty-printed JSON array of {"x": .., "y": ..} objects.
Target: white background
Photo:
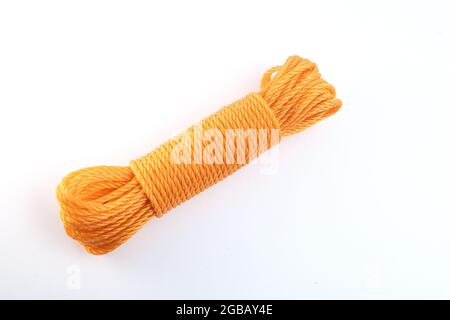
[{"x": 359, "y": 207}]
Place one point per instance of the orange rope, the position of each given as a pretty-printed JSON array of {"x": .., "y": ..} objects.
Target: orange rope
[{"x": 101, "y": 207}]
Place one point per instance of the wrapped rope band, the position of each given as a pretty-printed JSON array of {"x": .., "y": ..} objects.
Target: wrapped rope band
[{"x": 167, "y": 182}]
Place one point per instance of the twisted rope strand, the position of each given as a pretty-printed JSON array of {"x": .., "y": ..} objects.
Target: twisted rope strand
[{"x": 102, "y": 207}]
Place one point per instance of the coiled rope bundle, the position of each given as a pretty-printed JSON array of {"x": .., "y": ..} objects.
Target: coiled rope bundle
[{"x": 103, "y": 206}]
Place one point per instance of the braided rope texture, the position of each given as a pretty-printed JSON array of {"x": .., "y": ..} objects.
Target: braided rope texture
[{"x": 102, "y": 207}]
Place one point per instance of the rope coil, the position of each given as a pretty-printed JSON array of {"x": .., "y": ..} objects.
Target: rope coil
[{"x": 103, "y": 206}]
